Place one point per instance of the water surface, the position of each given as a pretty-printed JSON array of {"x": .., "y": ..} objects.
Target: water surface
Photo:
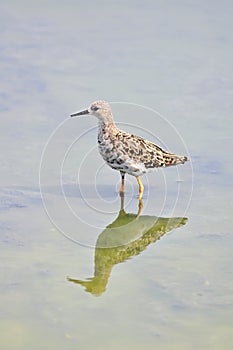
[{"x": 97, "y": 274}]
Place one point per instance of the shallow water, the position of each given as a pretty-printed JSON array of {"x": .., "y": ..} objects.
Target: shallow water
[{"x": 80, "y": 268}]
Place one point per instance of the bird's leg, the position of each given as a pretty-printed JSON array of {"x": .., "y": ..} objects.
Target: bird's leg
[
  {"x": 122, "y": 200},
  {"x": 141, "y": 188},
  {"x": 122, "y": 189},
  {"x": 140, "y": 206}
]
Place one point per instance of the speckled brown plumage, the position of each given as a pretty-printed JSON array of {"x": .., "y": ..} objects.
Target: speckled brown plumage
[{"x": 126, "y": 152}]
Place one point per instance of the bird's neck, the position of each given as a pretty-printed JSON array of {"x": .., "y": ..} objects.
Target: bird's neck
[{"x": 106, "y": 128}]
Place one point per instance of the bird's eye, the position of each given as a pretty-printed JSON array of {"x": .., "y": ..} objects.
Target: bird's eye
[{"x": 94, "y": 108}]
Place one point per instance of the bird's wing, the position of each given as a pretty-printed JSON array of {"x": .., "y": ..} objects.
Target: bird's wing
[{"x": 142, "y": 150}]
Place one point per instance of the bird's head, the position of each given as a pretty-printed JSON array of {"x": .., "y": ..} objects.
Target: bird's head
[{"x": 99, "y": 109}]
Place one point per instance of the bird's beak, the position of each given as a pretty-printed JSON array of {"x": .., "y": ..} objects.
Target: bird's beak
[{"x": 80, "y": 113}]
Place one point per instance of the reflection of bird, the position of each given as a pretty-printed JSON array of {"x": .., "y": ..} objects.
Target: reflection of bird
[
  {"x": 126, "y": 152},
  {"x": 127, "y": 236}
]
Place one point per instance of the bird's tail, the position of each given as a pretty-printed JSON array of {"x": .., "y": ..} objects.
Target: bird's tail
[{"x": 173, "y": 159}]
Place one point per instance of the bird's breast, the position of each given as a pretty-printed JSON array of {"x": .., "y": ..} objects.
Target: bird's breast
[{"x": 106, "y": 149}]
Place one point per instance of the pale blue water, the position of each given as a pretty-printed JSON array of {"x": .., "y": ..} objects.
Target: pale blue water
[{"x": 171, "y": 286}]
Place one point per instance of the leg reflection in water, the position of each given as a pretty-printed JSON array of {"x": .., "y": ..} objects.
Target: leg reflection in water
[{"x": 127, "y": 236}]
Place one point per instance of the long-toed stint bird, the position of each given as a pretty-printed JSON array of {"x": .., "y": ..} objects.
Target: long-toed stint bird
[{"x": 126, "y": 152}]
